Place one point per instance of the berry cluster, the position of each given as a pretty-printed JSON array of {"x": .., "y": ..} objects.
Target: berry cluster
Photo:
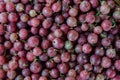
[{"x": 59, "y": 40}]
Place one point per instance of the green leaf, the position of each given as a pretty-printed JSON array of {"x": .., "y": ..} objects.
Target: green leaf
[
  {"x": 36, "y": 59},
  {"x": 113, "y": 23},
  {"x": 51, "y": 59},
  {"x": 98, "y": 13},
  {"x": 103, "y": 35}
]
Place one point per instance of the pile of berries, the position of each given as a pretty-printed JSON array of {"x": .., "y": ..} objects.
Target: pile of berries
[{"x": 59, "y": 40}]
